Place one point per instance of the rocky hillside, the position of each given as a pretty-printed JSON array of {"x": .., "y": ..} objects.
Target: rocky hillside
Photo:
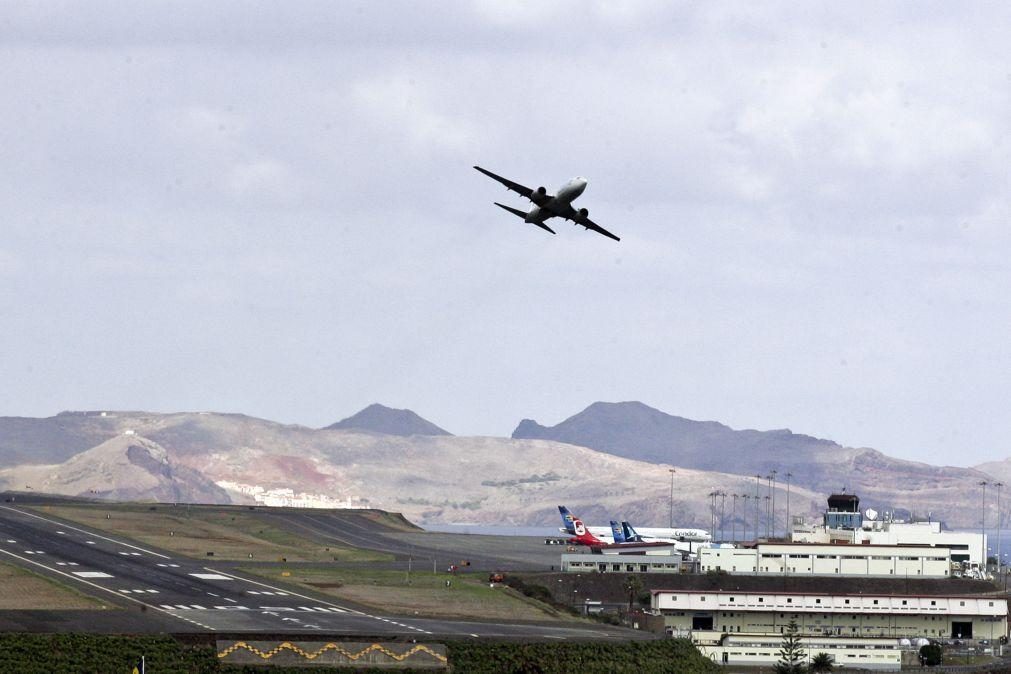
[
  {"x": 431, "y": 477},
  {"x": 126, "y": 467},
  {"x": 637, "y": 431}
]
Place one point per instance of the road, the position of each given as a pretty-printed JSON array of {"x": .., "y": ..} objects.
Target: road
[{"x": 178, "y": 594}]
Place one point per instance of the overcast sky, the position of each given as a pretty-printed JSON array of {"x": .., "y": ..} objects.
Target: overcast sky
[{"x": 270, "y": 208}]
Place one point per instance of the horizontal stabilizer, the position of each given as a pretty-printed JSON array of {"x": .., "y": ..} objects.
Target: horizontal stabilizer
[{"x": 517, "y": 212}]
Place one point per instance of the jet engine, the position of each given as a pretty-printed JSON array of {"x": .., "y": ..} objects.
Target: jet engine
[{"x": 583, "y": 213}]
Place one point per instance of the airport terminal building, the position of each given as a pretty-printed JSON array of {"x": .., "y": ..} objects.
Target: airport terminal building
[
  {"x": 843, "y": 615},
  {"x": 814, "y": 559}
]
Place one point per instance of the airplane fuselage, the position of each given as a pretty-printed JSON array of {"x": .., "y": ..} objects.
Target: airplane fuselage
[{"x": 559, "y": 204}]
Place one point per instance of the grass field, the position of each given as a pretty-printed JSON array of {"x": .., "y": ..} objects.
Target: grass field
[
  {"x": 23, "y": 589},
  {"x": 228, "y": 533},
  {"x": 425, "y": 595}
]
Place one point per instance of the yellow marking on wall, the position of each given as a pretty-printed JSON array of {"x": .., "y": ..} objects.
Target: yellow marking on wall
[{"x": 287, "y": 645}]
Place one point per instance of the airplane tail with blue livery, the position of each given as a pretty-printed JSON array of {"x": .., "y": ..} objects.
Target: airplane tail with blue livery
[
  {"x": 617, "y": 532},
  {"x": 568, "y": 520},
  {"x": 629, "y": 533}
]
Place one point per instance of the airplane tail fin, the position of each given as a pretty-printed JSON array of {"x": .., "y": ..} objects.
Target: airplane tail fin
[
  {"x": 568, "y": 520},
  {"x": 616, "y": 531},
  {"x": 583, "y": 535},
  {"x": 629, "y": 532},
  {"x": 522, "y": 214}
]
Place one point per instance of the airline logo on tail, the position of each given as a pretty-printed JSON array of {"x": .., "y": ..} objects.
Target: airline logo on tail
[
  {"x": 617, "y": 532},
  {"x": 568, "y": 520},
  {"x": 582, "y": 536},
  {"x": 630, "y": 533}
]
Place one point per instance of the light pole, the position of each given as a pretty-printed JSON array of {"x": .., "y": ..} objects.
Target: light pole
[
  {"x": 733, "y": 519},
  {"x": 768, "y": 497},
  {"x": 712, "y": 513},
  {"x": 773, "y": 492},
  {"x": 998, "y": 485},
  {"x": 744, "y": 520},
  {"x": 789, "y": 522},
  {"x": 982, "y": 525},
  {"x": 758, "y": 501},
  {"x": 723, "y": 510},
  {"x": 671, "y": 520}
]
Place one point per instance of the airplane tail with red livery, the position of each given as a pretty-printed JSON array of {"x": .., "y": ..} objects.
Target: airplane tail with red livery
[{"x": 582, "y": 534}]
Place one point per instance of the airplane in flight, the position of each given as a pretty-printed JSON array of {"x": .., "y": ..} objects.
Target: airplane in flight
[{"x": 549, "y": 206}]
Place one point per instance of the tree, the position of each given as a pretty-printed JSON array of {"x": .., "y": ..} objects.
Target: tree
[
  {"x": 791, "y": 654},
  {"x": 821, "y": 663},
  {"x": 930, "y": 655},
  {"x": 633, "y": 586}
]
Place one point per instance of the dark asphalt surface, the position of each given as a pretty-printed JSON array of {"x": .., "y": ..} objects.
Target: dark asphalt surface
[
  {"x": 162, "y": 592},
  {"x": 485, "y": 553}
]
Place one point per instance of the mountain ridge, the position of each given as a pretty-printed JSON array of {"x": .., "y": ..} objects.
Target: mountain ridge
[
  {"x": 378, "y": 418},
  {"x": 445, "y": 478}
]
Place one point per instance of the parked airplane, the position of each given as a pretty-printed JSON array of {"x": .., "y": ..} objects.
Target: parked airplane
[
  {"x": 649, "y": 533},
  {"x": 548, "y": 206}
]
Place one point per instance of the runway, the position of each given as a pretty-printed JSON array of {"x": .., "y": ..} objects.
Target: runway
[{"x": 172, "y": 593}]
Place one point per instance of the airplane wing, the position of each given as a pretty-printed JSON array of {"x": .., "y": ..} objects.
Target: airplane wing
[
  {"x": 589, "y": 224},
  {"x": 536, "y": 196}
]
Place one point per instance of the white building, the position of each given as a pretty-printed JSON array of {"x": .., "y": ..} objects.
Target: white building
[
  {"x": 844, "y": 523},
  {"x": 763, "y": 650},
  {"x": 843, "y": 615},
  {"x": 811, "y": 559},
  {"x": 965, "y": 546}
]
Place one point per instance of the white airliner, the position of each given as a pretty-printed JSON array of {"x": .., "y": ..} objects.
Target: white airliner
[
  {"x": 548, "y": 206},
  {"x": 647, "y": 534}
]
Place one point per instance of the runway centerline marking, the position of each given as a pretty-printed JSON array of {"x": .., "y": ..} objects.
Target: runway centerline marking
[
  {"x": 84, "y": 531},
  {"x": 313, "y": 599},
  {"x": 210, "y": 576}
]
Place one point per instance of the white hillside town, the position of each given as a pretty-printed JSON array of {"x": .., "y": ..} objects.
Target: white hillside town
[{"x": 287, "y": 498}]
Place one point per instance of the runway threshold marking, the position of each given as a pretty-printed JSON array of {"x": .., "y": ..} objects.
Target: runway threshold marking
[
  {"x": 76, "y": 577},
  {"x": 84, "y": 531},
  {"x": 342, "y": 609}
]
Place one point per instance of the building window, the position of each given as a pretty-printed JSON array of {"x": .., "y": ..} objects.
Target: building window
[
  {"x": 789, "y": 600},
  {"x": 760, "y": 600},
  {"x": 933, "y": 603},
  {"x": 817, "y": 601},
  {"x": 903, "y": 602}
]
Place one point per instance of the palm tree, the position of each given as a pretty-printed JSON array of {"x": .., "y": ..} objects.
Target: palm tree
[
  {"x": 633, "y": 586},
  {"x": 821, "y": 663},
  {"x": 791, "y": 654}
]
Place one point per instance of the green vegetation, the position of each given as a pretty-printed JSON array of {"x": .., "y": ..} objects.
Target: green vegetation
[
  {"x": 930, "y": 655},
  {"x": 791, "y": 654},
  {"x": 228, "y": 533},
  {"x": 822, "y": 663},
  {"x": 89, "y": 653},
  {"x": 25, "y": 589},
  {"x": 641, "y": 657},
  {"x": 420, "y": 593},
  {"x": 446, "y": 503},
  {"x": 47, "y": 653},
  {"x": 533, "y": 479}
]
